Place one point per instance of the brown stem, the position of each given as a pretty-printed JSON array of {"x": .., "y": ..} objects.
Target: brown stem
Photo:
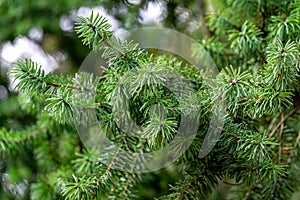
[
  {"x": 297, "y": 140},
  {"x": 248, "y": 192},
  {"x": 272, "y": 123},
  {"x": 233, "y": 184},
  {"x": 280, "y": 137},
  {"x": 282, "y": 121}
]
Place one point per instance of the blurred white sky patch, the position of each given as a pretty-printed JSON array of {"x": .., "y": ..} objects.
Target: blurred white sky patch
[
  {"x": 23, "y": 47},
  {"x": 27, "y": 46},
  {"x": 18, "y": 190},
  {"x": 3, "y": 93},
  {"x": 133, "y": 2},
  {"x": 67, "y": 21},
  {"x": 153, "y": 13},
  {"x": 36, "y": 33}
]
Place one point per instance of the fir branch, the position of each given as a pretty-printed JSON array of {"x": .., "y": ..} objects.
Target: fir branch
[
  {"x": 189, "y": 186},
  {"x": 32, "y": 78},
  {"x": 11, "y": 141},
  {"x": 244, "y": 150},
  {"x": 130, "y": 174},
  {"x": 108, "y": 170},
  {"x": 94, "y": 30},
  {"x": 95, "y": 33}
]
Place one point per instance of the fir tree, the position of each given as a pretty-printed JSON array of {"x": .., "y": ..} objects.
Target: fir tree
[{"x": 255, "y": 45}]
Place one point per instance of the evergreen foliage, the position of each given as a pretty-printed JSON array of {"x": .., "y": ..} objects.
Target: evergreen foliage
[{"x": 255, "y": 45}]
